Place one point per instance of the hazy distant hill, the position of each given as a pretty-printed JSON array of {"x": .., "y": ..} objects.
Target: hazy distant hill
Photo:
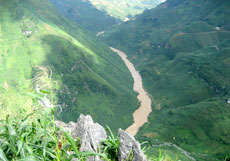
[
  {"x": 181, "y": 49},
  {"x": 85, "y": 14},
  {"x": 88, "y": 77},
  {"x": 125, "y": 8}
]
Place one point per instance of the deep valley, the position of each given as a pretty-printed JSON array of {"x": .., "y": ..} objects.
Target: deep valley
[{"x": 170, "y": 59}]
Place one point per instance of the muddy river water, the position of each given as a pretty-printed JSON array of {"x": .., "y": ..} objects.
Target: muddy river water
[{"x": 140, "y": 116}]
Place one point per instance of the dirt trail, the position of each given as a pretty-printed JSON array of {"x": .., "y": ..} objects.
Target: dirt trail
[{"x": 140, "y": 116}]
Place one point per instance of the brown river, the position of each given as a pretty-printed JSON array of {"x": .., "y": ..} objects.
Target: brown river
[{"x": 140, "y": 116}]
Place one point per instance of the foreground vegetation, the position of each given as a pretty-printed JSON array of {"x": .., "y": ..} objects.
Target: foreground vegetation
[
  {"x": 34, "y": 137},
  {"x": 181, "y": 49}
]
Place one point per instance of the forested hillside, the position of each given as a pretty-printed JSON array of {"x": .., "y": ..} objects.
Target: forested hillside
[
  {"x": 85, "y": 14},
  {"x": 38, "y": 43},
  {"x": 181, "y": 49}
]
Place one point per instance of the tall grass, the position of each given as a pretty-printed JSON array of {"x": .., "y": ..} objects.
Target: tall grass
[
  {"x": 110, "y": 146},
  {"x": 27, "y": 137},
  {"x": 33, "y": 137}
]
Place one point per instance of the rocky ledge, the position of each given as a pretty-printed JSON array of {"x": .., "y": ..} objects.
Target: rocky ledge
[{"x": 91, "y": 134}]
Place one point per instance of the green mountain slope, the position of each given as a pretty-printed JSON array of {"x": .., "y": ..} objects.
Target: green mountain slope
[
  {"x": 181, "y": 49},
  {"x": 87, "y": 76},
  {"x": 123, "y": 9},
  {"x": 85, "y": 14}
]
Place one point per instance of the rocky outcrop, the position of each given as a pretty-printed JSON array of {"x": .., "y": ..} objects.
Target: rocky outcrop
[
  {"x": 129, "y": 148},
  {"x": 91, "y": 134},
  {"x": 67, "y": 127}
]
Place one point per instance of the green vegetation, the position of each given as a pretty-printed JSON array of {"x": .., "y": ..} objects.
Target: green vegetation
[
  {"x": 85, "y": 14},
  {"x": 181, "y": 49},
  {"x": 89, "y": 77},
  {"x": 123, "y": 9},
  {"x": 34, "y": 137},
  {"x": 111, "y": 146}
]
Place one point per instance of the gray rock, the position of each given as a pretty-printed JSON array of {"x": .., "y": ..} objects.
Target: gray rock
[
  {"x": 129, "y": 148},
  {"x": 67, "y": 127},
  {"x": 90, "y": 134}
]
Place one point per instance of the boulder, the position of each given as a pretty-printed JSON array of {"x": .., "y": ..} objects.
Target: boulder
[
  {"x": 129, "y": 148},
  {"x": 67, "y": 127},
  {"x": 90, "y": 134}
]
